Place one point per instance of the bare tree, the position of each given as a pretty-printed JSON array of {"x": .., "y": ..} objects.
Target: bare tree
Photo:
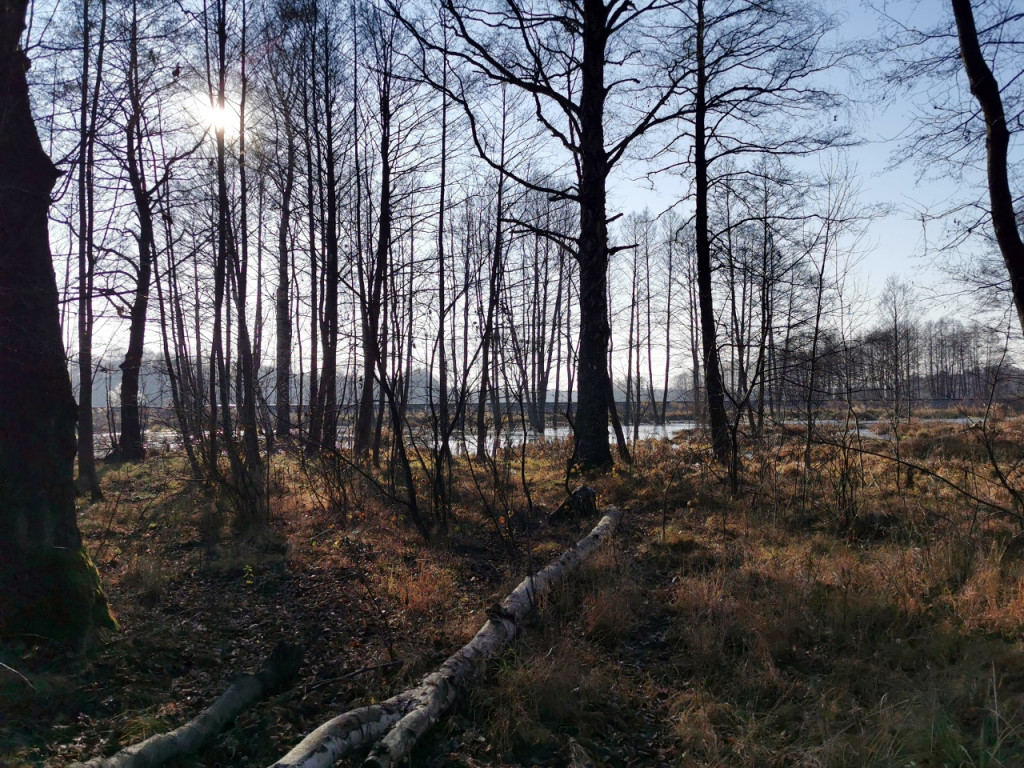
[
  {"x": 986, "y": 90},
  {"x": 754, "y": 91},
  {"x": 147, "y": 159},
  {"x": 930, "y": 62},
  {"x": 248, "y": 479},
  {"x": 89, "y": 93},
  {"x": 579, "y": 64},
  {"x": 284, "y": 76},
  {"x": 48, "y": 584}
]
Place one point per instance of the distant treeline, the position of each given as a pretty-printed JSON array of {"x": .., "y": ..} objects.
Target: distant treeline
[{"x": 943, "y": 364}]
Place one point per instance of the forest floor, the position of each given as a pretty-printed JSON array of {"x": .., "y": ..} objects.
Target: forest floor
[{"x": 760, "y": 627}]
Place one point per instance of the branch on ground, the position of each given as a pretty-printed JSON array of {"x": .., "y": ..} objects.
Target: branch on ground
[{"x": 396, "y": 725}]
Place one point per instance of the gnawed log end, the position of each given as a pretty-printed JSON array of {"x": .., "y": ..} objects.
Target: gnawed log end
[
  {"x": 282, "y": 667},
  {"x": 580, "y": 504}
]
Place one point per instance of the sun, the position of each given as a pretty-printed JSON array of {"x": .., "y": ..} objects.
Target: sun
[{"x": 216, "y": 119}]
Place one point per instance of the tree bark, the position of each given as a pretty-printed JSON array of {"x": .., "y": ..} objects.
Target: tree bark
[
  {"x": 712, "y": 365},
  {"x": 997, "y": 141},
  {"x": 328, "y": 403},
  {"x": 282, "y": 304},
  {"x": 487, "y": 338},
  {"x": 592, "y": 448},
  {"x": 48, "y": 584},
  {"x": 88, "y": 482},
  {"x": 371, "y": 286},
  {"x": 131, "y": 446}
]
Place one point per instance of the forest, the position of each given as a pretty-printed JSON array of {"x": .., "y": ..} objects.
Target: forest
[{"x": 509, "y": 383}]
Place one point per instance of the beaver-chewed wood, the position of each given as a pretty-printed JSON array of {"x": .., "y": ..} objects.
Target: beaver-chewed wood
[{"x": 398, "y": 723}]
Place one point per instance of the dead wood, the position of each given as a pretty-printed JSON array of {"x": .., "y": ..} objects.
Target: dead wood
[
  {"x": 398, "y": 723},
  {"x": 277, "y": 672},
  {"x": 578, "y": 505},
  {"x": 11, "y": 672}
]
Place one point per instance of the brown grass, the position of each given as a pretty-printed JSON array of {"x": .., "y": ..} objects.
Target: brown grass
[
  {"x": 846, "y": 616},
  {"x": 769, "y": 633}
]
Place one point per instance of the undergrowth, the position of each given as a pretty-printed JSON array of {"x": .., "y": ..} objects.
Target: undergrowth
[{"x": 854, "y": 614}]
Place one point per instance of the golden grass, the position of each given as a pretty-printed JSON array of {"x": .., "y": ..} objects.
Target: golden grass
[
  {"x": 842, "y": 616},
  {"x": 784, "y": 637},
  {"x": 421, "y": 590}
]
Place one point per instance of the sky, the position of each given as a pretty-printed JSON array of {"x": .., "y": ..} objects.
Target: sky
[{"x": 896, "y": 243}]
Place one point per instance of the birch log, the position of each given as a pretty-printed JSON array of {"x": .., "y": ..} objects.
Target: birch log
[
  {"x": 398, "y": 723},
  {"x": 279, "y": 670}
]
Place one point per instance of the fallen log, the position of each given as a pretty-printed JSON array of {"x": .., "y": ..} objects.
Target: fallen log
[
  {"x": 277, "y": 672},
  {"x": 398, "y": 723},
  {"x": 344, "y": 734}
]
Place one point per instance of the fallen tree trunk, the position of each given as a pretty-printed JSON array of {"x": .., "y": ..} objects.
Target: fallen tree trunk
[
  {"x": 398, "y": 723},
  {"x": 279, "y": 670}
]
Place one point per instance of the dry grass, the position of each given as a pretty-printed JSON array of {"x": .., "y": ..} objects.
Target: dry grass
[
  {"x": 846, "y": 616},
  {"x": 769, "y": 629},
  {"x": 422, "y": 589}
]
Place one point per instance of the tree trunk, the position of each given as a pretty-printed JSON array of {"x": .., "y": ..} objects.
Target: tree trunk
[
  {"x": 670, "y": 243},
  {"x": 997, "y": 141},
  {"x": 48, "y": 584},
  {"x": 712, "y": 366},
  {"x": 592, "y": 448},
  {"x": 328, "y": 408},
  {"x": 87, "y": 479},
  {"x": 493, "y": 288},
  {"x": 282, "y": 305},
  {"x": 371, "y": 283},
  {"x": 311, "y": 123},
  {"x": 131, "y": 446}
]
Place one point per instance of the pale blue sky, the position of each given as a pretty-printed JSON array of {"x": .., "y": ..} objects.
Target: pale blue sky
[{"x": 895, "y": 243}]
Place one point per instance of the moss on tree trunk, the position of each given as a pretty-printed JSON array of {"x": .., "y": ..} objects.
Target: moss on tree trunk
[
  {"x": 48, "y": 585},
  {"x": 54, "y": 593}
]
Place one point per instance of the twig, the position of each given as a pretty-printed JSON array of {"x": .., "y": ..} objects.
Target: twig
[
  {"x": 387, "y": 665},
  {"x": 17, "y": 674}
]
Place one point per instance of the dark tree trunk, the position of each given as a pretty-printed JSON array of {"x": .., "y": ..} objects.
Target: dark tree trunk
[
  {"x": 131, "y": 446},
  {"x": 493, "y": 289},
  {"x": 487, "y": 340},
  {"x": 372, "y": 286},
  {"x": 668, "y": 329},
  {"x": 370, "y": 283},
  {"x": 87, "y": 479},
  {"x": 371, "y": 325},
  {"x": 311, "y": 123},
  {"x": 442, "y": 453},
  {"x": 282, "y": 307},
  {"x": 997, "y": 141},
  {"x": 328, "y": 408},
  {"x": 48, "y": 584},
  {"x": 592, "y": 448},
  {"x": 712, "y": 366}
]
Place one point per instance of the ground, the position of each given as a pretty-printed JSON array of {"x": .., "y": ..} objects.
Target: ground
[{"x": 757, "y": 627}]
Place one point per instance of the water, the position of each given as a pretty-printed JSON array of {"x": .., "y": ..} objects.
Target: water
[
  {"x": 157, "y": 439},
  {"x": 515, "y": 436},
  {"x": 163, "y": 438}
]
